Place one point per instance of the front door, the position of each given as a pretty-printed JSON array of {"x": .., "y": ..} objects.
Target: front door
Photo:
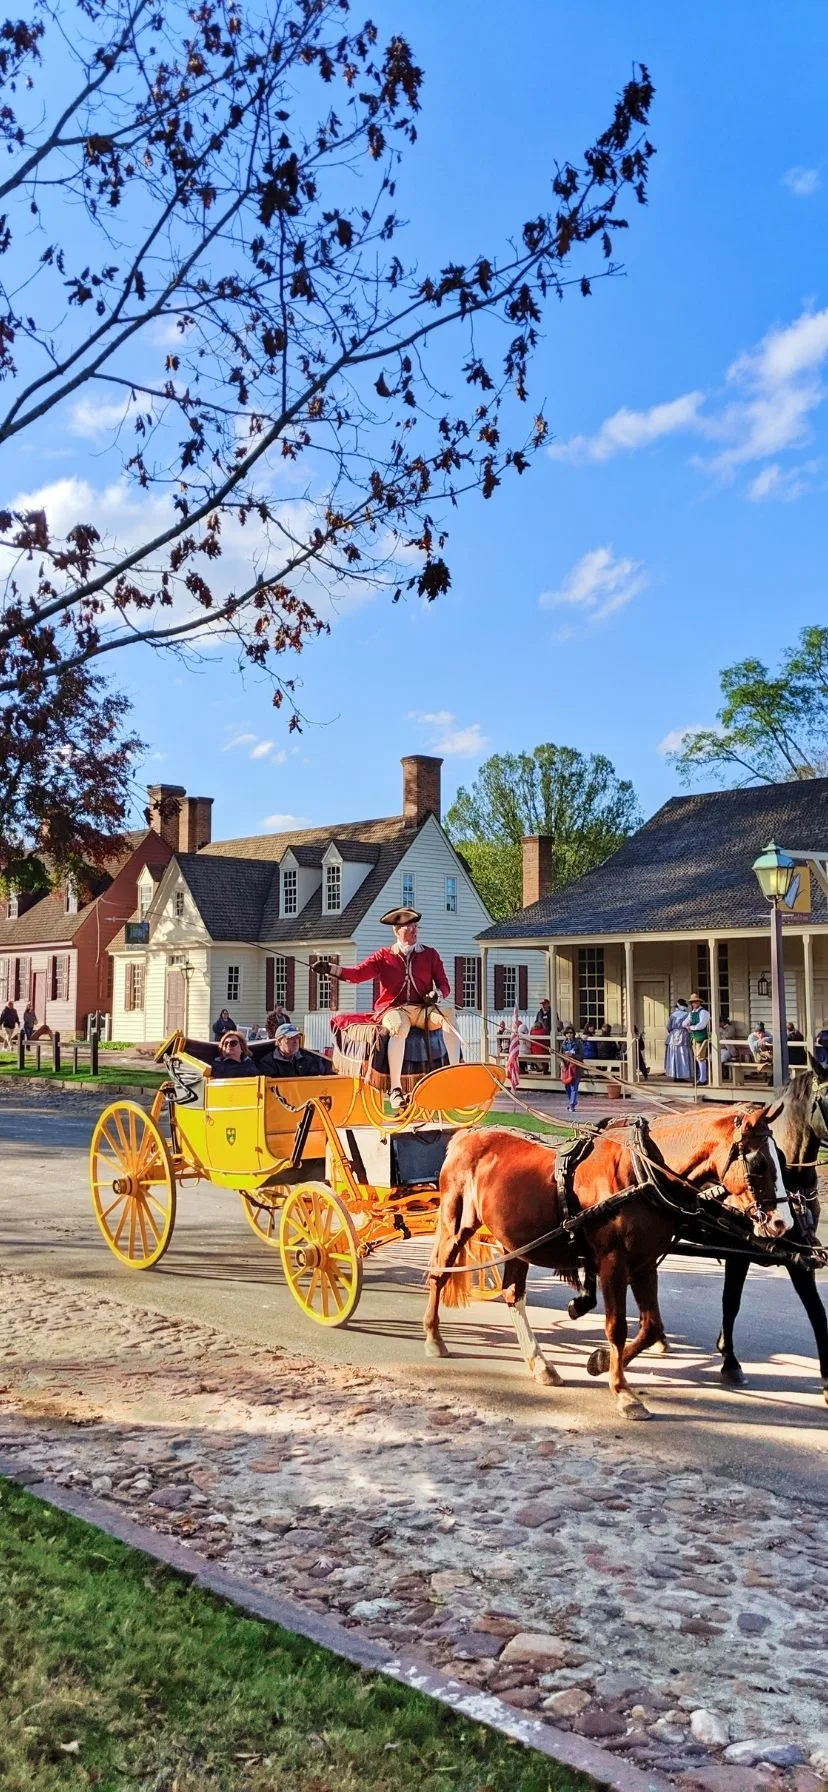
[
  {"x": 174, "y": 1001},
  {"x": 39, "y": 996},
  {"x": 651, "y": 1011}
]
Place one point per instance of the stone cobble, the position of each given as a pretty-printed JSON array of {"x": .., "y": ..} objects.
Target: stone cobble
[{"x": 679, "y": 1619}]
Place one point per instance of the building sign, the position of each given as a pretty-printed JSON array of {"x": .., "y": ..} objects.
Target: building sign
[
  {"x": 136, "y": 933},
  {"x": 798, "y": 899}
]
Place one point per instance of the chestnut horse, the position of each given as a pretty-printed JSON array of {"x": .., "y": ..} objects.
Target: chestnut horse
[{"x": 507, "y": 1183}]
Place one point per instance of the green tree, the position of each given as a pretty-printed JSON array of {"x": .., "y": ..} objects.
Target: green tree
[
  {"x": 577, "y": 799},
  {"x": 772, "y": 727}
]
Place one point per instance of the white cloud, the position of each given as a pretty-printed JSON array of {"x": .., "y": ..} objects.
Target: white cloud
[
  {"x": 673, "y": 742},
  {"x": 262, "y": 750},
  {"x": 599, "y": 584},
  {"x": 785, "y": 484},
  {"x": 463, "y": 743},
  {"x": 626, "y": 430},
  {"x": 283, "y": 824},
  {"x": 239, "y": 740},
  {"x": 437, "y": 718},
  {"x": 804, "y": 182},
  {"x": 91, "y": 418}
]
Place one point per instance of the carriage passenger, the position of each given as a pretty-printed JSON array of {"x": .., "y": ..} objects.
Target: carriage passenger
[
  {"x": 289, "y": 1058},
  {"x": 234, "y": 1058}
]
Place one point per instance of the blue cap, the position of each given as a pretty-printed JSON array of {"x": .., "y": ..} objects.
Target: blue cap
[{"x": 287, "y": 1030}]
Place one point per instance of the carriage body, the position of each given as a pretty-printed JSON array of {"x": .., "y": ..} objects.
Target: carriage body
[{"x": 315, "y": 1160}]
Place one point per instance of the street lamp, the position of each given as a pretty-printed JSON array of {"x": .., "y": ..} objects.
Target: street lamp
[
  {"x": 775, "y": 873},
  {"x": 187, "y": 972}
]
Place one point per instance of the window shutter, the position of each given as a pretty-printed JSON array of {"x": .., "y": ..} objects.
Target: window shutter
[
  {"x": 523, "y": 986},
  {"x": 476, "y": 963},
  {"x": 499, "y": 986},
  {"x": 313, "y": 985},
  {"x": 4, "y": 979},
  {"x": 269, "y": 984},
  {"x": 53, "y": 979},
  {"x": 290, "y": 983},
  {"x": 334, "y": 962},
  {"x": 458, "y": 982}
]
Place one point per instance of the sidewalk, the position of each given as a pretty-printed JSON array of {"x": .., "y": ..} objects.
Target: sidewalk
[{"x": 677, "y": 1619}]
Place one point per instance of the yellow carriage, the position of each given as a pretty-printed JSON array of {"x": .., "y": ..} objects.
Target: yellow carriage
[{"x": 325, "y": 1175}]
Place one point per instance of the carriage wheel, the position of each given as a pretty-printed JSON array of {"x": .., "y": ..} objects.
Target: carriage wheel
[
  {"x": 262, "y": 1214},
  {"x": 320, "y": 1254},
  {"x": 133, "y": 1185},
  {"x": 487, "y": 1278},
  {"x": 466, "y": 1116}
]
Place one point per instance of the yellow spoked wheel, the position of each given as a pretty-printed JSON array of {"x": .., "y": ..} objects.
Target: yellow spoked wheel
[
  {"x": 466, "y": 1116},
  {"x": 320, "y": 1254},
  {"x": 262, "y": 1214},
  {"x": 133, "y": 1185},
  {"x": 487, "y": 1278}
]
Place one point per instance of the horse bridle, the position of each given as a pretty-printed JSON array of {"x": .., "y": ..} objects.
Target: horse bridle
[{"x": 753, "y": 1177}]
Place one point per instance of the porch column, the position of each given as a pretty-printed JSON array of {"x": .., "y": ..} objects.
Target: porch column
[
  {"x": 714, "y": 1059},
  {"x": 629, "y": 987},
  {"x": 484, "y": 1003},
  {"x": 552, "y": 955},
  {"x": 808, "y": 963}
]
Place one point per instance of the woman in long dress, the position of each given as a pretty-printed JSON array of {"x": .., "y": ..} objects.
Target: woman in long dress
[{"x": 678, "y": 1056}]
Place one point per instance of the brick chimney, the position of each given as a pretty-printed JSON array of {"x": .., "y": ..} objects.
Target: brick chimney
[
  {"x": 538, "y": 851},
  {"x": 195, "y": 823},
  {"x": 421, "y": 788},
  {"x": 164, "y": 811}
]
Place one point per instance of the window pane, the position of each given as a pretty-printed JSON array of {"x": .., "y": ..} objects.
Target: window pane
[
  {"x": 333, "y": 888},
  {"x": 451, "y": 895},
  {"x": 469, "y": 983},
  {"x": 290, "y": 891},
  {"x": 233, "y": 982},
  {"x": 179, "y": 903},
  {"x": 324, "y": 991},
  {"x": 280, "y": 982},
  {"x": 510, "y": 986},
  {"x": 591, "y": 998},
  {"x": 408, "y": 889}
]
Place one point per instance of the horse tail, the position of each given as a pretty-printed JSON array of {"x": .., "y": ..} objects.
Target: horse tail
[{"x": 457, "y": 1220}]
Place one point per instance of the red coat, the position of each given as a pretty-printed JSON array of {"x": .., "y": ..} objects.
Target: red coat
[{"x": 402, "y": 981}]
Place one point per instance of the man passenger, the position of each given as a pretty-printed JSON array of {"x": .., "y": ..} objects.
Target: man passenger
[{"x": 289, "y": 1058}]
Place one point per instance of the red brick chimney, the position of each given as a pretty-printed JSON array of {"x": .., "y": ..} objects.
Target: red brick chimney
[
  {"x": 195, "y": 823},
  {"x": 421, "y": 788},
  {"x": 164, "y": 811},
  {"x": 538, "y": 851}
]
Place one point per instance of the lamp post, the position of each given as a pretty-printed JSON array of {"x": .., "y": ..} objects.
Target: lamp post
[
  {"x": 187, "y": 971},
  {"x": 774, "y": 872}
]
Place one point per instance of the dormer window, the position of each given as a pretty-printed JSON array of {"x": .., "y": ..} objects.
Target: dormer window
[
  {"x": 290, "y": 890},
  {"x": 144, "y": 900},
  {"x": 333, "y": 887},
  {"x": 12, "y": 906},
  {"x": 178, "y": 905},
  {"x": 71, "y": 897}
]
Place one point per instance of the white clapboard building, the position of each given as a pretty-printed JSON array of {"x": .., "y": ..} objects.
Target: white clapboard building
[{"x": 241, "y": 923}]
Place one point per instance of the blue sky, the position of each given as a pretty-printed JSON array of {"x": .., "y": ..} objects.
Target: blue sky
[{"x": 678, "y": 522}]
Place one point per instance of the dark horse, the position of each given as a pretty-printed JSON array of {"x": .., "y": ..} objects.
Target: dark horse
[
  {"x": 798, "y": 1116},
  {"x": 623, "y": 1203}
]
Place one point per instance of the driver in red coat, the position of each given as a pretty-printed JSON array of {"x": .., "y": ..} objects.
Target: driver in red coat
[{"x": 408, "y": 975}]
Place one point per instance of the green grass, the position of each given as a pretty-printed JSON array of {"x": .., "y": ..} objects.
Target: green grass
[
  {"x": 107, "y": 1073},
  {"x": 528, "y": 1123},
  {"x": 115, "y": 1673}
]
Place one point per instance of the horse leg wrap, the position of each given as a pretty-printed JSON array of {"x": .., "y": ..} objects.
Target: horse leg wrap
[{"x": 540, "y": 1369}]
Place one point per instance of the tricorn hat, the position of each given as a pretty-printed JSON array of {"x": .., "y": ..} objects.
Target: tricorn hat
[{"x": 401, "y": 917}]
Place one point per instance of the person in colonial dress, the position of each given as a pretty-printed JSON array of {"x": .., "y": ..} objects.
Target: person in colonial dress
[
  {"x": 678, "y": 1058},
  {"x": 698, "y": 1027},
  {"x": 409, "y": 977}
]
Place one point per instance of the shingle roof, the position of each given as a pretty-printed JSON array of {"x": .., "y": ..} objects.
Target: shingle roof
[
  {"x": 311, "y": 924},
  {"x": 689, "y": 868},
  {"x": 230, "y": 894},
  {"x": 46, "y": 923},
  {"x": 273, "y": 846}
]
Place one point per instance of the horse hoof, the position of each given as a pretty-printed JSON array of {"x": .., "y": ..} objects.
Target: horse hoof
[
  {"x": 599, "y": 1361},
  {"x": 732, "y": 1375},
  {"x": 660, "y": 1347},
  {"x": 631, "y": 1407},
  {"x": 583, "y": 1303},
  {"x": 825, "y": 1392},
  {"x": 545, "y": 1375},
  {"x": 436, "y": 1347}
]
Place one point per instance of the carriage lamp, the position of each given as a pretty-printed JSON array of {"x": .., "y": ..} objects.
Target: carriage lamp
[{"x": 774, "y": 872}]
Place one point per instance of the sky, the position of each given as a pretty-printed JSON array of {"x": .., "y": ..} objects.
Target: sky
[{"x": 676, "y": 522}]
